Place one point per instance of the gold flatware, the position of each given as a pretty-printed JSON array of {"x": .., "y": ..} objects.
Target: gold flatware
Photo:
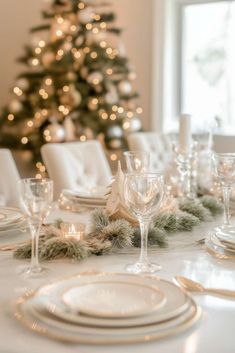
[{"x": 193, "y": 286}]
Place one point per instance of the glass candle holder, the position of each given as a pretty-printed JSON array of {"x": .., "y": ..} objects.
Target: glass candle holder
[
  {"x": 186, "y": 161},
  {"x": 73, "y": 230}
]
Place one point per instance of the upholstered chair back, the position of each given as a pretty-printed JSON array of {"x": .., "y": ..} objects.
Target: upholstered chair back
[
  {"x": 73, "y": 165},
  {"x": 158, "y": 145},
  {"x": 9, "y": 176}
]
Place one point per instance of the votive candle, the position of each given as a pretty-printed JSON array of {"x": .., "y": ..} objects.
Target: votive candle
[{"x": 73, "y": 230}]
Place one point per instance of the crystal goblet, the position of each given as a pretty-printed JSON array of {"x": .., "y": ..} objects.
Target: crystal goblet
[
  {"x": 36, "y": 196},
  {"x": 143, "y": 193},
  {"x": 224, "y": 169},
  {"x": 137, "y": 161}
]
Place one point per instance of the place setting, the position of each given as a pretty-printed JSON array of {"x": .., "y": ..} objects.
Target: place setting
[
  {"x": 13, "y": 228},
  {"x": 81, "y": 309}
]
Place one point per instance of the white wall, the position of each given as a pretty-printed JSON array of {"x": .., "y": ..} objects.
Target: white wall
[{"x": 134, "y": 16}]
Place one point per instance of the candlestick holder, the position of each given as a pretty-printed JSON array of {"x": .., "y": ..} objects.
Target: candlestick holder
[{"x": 186, "y": 160}]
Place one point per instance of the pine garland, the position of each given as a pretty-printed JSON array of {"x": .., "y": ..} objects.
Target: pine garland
[{"x": 107, "y": 235}]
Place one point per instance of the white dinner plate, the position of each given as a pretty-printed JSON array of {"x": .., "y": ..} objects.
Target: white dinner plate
[
  {"x": 50, "y": 298},
  {"x": 43, "y": 323},
  {"x": 10, "y": 217},
  {"x": 83, "y": 201},
  {"x": 96, "y": 192},
  {"x": 223, "y": 243},
  {"x": 98, "y": 298},
  {"x": 12, "y": 238},
  {"x": 215, "y": 249}
]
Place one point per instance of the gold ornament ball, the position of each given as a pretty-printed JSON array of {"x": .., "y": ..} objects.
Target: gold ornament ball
[
  {"x": 71, "y": 76},
  {"x": 15, "y": 106},
  {"x": 85, "y": 15},
  {"x": 95, "y": 78},
  {"x": 48, "y": 58},
  {"x": 22, "y": 83}
]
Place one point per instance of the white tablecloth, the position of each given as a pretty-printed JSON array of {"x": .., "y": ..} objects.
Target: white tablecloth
[{"x": 214, "y": 333}]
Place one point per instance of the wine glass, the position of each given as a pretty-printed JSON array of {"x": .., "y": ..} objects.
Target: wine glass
[
  {"x": 36, "y": 196},
  {"x": 137, "y": 161},
  {"x": 143, "y": 193},
  {"x": 224, "y": 169}
]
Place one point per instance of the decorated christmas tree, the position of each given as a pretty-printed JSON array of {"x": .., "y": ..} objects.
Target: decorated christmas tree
[{"x": 77, "y": 84}]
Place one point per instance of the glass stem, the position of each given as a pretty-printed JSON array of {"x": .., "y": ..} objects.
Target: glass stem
[
  {"x": 35, "y": 231},
  {"x": 226, "y": 197},
  {"x": 144, "y": 227}
]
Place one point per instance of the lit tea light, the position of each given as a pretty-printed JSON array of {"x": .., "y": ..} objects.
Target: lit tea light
[{"x": 73, "y": 230}]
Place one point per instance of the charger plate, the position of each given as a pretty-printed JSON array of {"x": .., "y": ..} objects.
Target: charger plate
[
  {"x": 217, "y": 249},
  {"x": 40, "y": 319},
  {"x": 51, "y": 296}
]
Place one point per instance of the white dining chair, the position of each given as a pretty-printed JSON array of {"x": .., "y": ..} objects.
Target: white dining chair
[
  {"x": 73, "y": 165},
  {"x": 158, "y": 145},
  {"x": 9, "y": 176}
]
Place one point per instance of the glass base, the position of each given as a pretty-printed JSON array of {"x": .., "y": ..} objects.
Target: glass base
[
  {"x": 143, "y": 267},
  {"x": 226, "y": 233},
  {"x": 33, "y": 271}
]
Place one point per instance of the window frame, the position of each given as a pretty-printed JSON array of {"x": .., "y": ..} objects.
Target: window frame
[{"x": 167, "y": 62}]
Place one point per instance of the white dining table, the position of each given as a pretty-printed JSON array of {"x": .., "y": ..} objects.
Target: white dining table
[{"x": 215, "y": 332}]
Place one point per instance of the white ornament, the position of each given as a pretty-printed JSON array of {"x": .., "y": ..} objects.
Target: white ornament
[
  {"x": 56, "y": 132},
  {"x": 85, "y": 15},
  {"x": 22, "y": 83},
  {"x": 115, "y": 207},
  {"x": 132, "y": 125},
  {"x": 114, "y": 131},
  {"x": 125, "y": 87},
  {"x": 15, "y": 106},
  {"x": 95, "y": 78}
]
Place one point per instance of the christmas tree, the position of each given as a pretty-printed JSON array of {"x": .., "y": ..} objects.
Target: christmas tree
[{"x": 78, "y": 82}]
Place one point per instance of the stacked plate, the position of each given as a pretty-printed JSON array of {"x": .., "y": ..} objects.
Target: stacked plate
[
  {"x": 108, "y": 308},
  {"x": 10, "y": 218},
  {"x": 12, "y": 227},
  {"x": 92, "y": 198},
  {"x": 220, "y": 246}
]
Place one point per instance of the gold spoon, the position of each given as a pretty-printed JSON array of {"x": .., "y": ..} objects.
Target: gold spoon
[{"x": 193, "y": 286}]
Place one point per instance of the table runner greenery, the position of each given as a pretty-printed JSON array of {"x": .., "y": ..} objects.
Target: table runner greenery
[{"x": 107, "y": 235}]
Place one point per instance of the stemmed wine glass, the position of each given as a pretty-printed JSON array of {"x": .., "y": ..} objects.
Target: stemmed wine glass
[
  {"x": 36, "y": 196},
  {"x": 143, "y": 193},
  {"x": 224, "y": 168},
  {"x": 137, "y": 161}
]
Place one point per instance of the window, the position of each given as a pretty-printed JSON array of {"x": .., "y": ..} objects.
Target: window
[
  {"x": 194, "y": 63},
  {"x": 208, "y": 62}
]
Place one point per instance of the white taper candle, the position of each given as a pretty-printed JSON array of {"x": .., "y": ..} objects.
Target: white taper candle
[{"x": 184, "y": 132}]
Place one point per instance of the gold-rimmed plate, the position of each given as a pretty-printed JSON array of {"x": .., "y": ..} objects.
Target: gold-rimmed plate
[{"x": 68, "y": 332}]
